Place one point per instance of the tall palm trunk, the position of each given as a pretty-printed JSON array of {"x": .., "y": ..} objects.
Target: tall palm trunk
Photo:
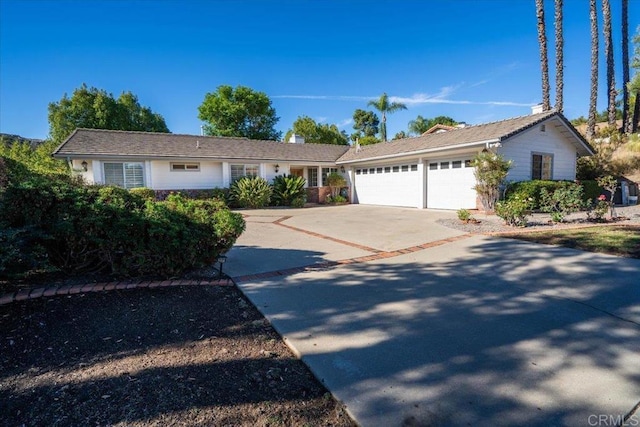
[
  {"x": 559, "y": 57},
  {"x": 544, "y": 60},
  {"x": 635, "y": 120},
  {"x": 625, "y": 66},
  {"x": 608, "y": 50},
  {"x": 593, "y": 99}
]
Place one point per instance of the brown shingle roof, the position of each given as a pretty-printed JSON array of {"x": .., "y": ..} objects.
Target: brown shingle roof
[
  {"x": 470, "y": 135},
  {"x": 95, "y": 143}
]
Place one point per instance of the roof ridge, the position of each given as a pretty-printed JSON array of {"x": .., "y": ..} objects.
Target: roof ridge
[{"x": 548, "y": 112}]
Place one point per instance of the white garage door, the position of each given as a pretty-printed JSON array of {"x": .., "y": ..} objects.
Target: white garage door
[
  {"x": 450, "y": 184},
  {"x": 389, "y": 185}
]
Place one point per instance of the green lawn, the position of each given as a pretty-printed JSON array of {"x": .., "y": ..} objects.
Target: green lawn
[{"x": 614, "y": 240}]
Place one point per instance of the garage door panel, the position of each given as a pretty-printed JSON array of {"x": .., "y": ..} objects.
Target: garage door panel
[
  {"x": 450, "y": 187},
  {"x": 388, "y": 188}
]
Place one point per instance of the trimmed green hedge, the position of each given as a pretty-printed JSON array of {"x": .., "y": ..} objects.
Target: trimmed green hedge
[
  {"x": 525, "y": 190},
  {"x": 86, "y": 229}
]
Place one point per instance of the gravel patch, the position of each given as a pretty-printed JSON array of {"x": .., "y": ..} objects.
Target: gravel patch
[{"x": 490, "y": 224}]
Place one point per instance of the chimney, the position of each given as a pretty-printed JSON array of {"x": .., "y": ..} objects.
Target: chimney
[
  {"x": 296, "y": 139},
  {"x": 461, "y": 125},
  {"x": 537, "y": 109}
]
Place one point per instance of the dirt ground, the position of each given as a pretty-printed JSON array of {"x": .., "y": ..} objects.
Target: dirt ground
[{"x": 146, "y": 357}]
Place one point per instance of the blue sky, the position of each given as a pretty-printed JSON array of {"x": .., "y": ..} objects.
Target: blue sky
[{"x": 475, "y": 61}]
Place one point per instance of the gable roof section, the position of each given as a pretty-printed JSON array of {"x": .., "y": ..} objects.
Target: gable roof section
[
  {"x": 98, "y": 143},
  {"x": 469, "y": 136}
]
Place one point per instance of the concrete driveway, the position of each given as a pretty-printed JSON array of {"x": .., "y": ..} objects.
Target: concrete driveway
[{"x": 471, "y": 330}]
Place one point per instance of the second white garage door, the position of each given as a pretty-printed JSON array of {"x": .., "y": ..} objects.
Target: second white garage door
[
  {"x": 450, "y": 184},
  {"x": 389, "y": 185}
]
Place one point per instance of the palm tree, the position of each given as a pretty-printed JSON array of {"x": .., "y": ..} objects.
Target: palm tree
[
  {"x": 625, "y": 66},
  {"x": 593, "y": 99},
  {"x": 419, "y": 126},
  {"x": 559, "y": 58},
  {"x": 544, "y": 61},
  {"x": 608, "y": 51},
  {"x": 383, "y": 105}
]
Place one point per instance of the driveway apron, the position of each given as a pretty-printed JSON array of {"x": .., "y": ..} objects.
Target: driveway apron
[{"x": 478, "y": 331}]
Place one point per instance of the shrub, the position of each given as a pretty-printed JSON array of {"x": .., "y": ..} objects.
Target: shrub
[
  {"x": 336, "y": 182},
  {"x": 532, "y": 190},
  {"x": 287, "y": 188},
  {"x": 299, "y": 202},
  {"x": 562, "y": 201},
  {"x": 598, "y": 208},
  {"x": 590, "y": 189},
  {"x": 464, "y": 215},
  {"x": 490, "y": 170},
  {"x": 514, "y": 211},
  {"x": 85, "y": 229},
  {"x": 144, "y": 192},
  {"x": 336, "y": 199},
  {"x": 251, "y": 192}
]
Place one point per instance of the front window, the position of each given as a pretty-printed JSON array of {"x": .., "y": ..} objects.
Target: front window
[
  {"x": 313, "y": 177},
  {"x": 125, "y": 175},
  {"x": 240, "y": 171},
  {"x": 541, "y": 166},
  {"x": 326, "y": 172}
]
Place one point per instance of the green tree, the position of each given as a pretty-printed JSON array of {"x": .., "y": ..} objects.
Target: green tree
[
  {"x": 365, "y": 123},
  {"x": 317, "y": 133},
  {"x": 96, "y": 109},
  {"x": 385, "y": 107},
  {"x": 401, "y": 135},
  {"x": 34, "y": 158},
  {"x": 634, "y": 84},
  {"x": 491, "y": 171},
  {"x": 368, "y": 140},
  {"x": 240, "y": 112},
  {"x": 625, "y": 66},
  {"x": 420, "y": 125},
  {"x": 544, "y": 60}
]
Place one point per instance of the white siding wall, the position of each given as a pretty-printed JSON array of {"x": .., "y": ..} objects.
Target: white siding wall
[
  {"x": 520, "y": 148},
  {"x": 284, "y": 168},
  {"x": 209, "y": 176}
]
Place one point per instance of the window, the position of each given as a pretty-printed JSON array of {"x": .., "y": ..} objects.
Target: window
[
  {"x": 379, "y": 170},
  {"x": 444, "y": 165},
  {"x": 433, "y": 166},
  {"x": 543, "y": 128},
  {"x": 405, "y": 168},
  {"x": 313, "y": 177},
  {"x": 365, "y": 171},
  {"x": 126, "y": 175},
  {"x": 457, "y": 164},
  {"x": 358, "y": 171},
  {"x": 396, "y": 168},
  {"x": 372, "y": 170},
  {"x": 239, "y": 171},
  {"x": 414, "y": 168},
  {"x": 182, "y": 167},
  {"x": 327, "y": 171},
  {"x": 541, "y": 166},
  {"x": 387, "y": 169},
  {"x": 467, "y": 163}
]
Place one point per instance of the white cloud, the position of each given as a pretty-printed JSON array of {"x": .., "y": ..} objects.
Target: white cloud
[
  {"x": 345, "y": 122},
  {"x": 321, "y": 119}
]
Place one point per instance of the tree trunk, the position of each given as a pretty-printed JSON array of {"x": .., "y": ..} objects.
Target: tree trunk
[
  {"x": 593, "y": 99},
  {"x": 544, "y": 61},
  {"x": 635, "y": 122},
  {"x": 625, "y": 66},
  {"x": 608, "y": 50},
  {"x": 559, "y": 57},
  {"x": 383, "y": 128}
]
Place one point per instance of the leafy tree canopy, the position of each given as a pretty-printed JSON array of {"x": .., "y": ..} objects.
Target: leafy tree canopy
[
  {"x": 420, "y": 125},
  {"x": 96, "y": 109},
  {"x": 317, "y": 133},
  {"x": 385, "y": 107},
  {"x": 401, "y": 135},
  {"x": 368, "y": 140},
  {"x": 240, "y": 112},
  {"x": 365, "y": 123}
]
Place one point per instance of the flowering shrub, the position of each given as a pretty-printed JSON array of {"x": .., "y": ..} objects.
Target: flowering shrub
[
  {"x": 514, "y": 211},
  {"x": 562, "y": 202}
]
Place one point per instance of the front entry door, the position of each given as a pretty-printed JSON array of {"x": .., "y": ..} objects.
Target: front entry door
[{"x": 297, "y": 172}]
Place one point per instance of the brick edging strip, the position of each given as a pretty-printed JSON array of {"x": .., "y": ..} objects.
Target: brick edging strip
[
  {"x": 331, "y": 264},
  {"x": 29, "y": 294}
]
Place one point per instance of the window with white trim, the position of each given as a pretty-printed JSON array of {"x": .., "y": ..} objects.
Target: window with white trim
[
  {"x": 185, "y": 167},
  {"x": 541, "y": 166},
  {"x": 313, "y": 177},
  {"x": 240, "y": 171},
  {"x": 125, "y": 175}
]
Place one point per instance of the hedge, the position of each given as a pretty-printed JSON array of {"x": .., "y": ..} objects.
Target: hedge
[{"x": 532, "y": 189}]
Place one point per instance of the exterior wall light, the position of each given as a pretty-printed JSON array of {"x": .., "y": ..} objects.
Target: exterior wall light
[
  {"x": 85, "y": 165},
  {"x": 276, "y": 167}
]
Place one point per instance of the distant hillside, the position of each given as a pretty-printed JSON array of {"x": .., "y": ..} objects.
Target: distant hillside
[{"x": 8, "y": 139}]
